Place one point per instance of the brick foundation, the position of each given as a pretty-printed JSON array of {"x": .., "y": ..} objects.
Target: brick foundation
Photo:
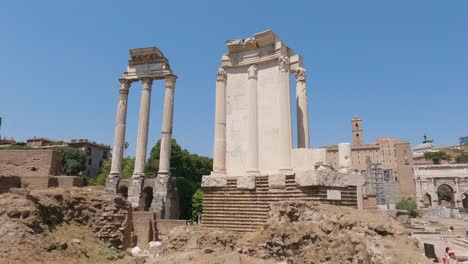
[
  {"x": 245, "y": 210},
  {"x": 7, "y": 182},
  {"x": 144, "y": 228}
]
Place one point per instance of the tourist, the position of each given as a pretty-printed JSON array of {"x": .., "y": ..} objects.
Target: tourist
[
  {"x": 451, "y": 259},
  {"x": 446, "y": 255}
]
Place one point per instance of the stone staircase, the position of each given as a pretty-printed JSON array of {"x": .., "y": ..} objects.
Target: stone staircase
[
  {"x": 245, "y": 210},
  {"x": 460, "y": 242}
]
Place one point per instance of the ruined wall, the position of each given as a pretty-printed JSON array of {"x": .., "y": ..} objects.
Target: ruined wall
[
  {"x": 245, "y": 210},
  {"x": 8, "y": 182},
  {"x": 30, "y": 163}
]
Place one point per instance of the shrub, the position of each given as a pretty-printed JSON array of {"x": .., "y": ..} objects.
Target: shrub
[
  {"x": 409, "y": 205},
  {"x": 197, "y": 204}
]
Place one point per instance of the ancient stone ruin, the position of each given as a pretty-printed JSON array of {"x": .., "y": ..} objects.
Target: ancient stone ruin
[
  {"x": 255, "y": 163},
  {"x": 153, "y": 193}
]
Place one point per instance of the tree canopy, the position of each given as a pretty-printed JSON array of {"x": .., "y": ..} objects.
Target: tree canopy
[
  {"x": 128, "y": 164},
  {"x": 437, "y": 156},
  {"x": 74, "y": 160},
  {"x": 462, "y": 158}
]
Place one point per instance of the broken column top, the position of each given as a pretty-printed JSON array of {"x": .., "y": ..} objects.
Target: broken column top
[
  {"x": 147, "y": 62},
  {"x": 261, "y": 47}
]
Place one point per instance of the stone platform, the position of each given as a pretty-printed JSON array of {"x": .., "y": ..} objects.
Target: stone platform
[{"x": 231, "y": 208}]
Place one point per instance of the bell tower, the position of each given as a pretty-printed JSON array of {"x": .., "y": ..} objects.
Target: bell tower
[{"x": 357, "y": 131}]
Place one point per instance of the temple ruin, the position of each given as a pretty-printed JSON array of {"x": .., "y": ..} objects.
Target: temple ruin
[
  {"x": 254, "y": 159},
  {"x": 145, "y": 192}
]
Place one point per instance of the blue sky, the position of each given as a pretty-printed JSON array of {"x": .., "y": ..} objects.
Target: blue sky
[{"x": 402, "y": 66}]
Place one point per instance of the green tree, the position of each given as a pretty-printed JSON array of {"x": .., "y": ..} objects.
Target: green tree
[
  {"x": 187, "y": 170},
  {"x": 74, "y": 160},
  {"x": 444, "y": 193},
  {"x": 437, "y": 156},
  {"x": 462, "y": 158},
  {"x": 409, "y": 205},
  {"x": 197, "y": 204},
  {"x": 127, "y": 170}
]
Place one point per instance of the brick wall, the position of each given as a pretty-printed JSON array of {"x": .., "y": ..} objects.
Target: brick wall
[
  {"x": 69, "y": 181},
  {"x": 144, "y": 228},
  {"x": 30, "y": 163},
  {"x": 166, "y": 225}
]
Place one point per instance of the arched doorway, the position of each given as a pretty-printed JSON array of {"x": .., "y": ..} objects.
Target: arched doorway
[
  {"x": 147, "y": 198},
  {"x": 465, "y": 200},
  {"x": 445, "y": 196},
  {"x": 123, "y": 190},
  {"x": 427, "y": 200}
]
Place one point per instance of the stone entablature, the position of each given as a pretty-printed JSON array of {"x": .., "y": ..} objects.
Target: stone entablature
[{"x": 430, "y": 177}]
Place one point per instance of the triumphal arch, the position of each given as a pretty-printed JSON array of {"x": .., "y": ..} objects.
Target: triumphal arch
[
  {"x": 146, "y": 65},
  {"x": 254, "y": 160}
]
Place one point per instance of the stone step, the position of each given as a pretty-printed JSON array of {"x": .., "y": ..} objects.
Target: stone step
[{"x": 460, "y": 242}]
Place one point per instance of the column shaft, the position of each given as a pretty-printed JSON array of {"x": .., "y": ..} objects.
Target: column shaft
[
  {"x": 166, "y": 133},
  {"x": 119, "y": 135},
  {"x": 219, "y": 156},
  {"x": 302, "y": 111},
  {"x": 285, "y": 133},
  {"x": 143, "y": 125},
  {"x": 252, "y": 142}
]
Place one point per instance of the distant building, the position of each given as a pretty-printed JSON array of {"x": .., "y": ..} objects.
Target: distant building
[
  {"x": 428, "y": 146},
  {"x": 96, "y": 153},
  {"x": 392, "y": 155}
]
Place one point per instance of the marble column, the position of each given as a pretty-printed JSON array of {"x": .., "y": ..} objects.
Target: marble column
[
  {"x": 119, "y": 137},
  {"x": 166, "y": 132},
  {"x": 285, "y": 129},
  {"x": 162, "y": 184},
  {"x": 252, "y": 140},
  {"x": 142, "y": 143},
  {"x": 302, "y": 111},
  {"x": 219, "y": 156}
]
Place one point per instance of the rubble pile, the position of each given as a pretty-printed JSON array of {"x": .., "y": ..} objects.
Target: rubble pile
[
  {"x": 29, "y": 219},
  {"x": 298, "y": 232}
]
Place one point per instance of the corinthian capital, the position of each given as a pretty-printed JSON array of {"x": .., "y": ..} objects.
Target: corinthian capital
[
  {"x": 170, "y": 80},
  {"x": 221, "y": 75},
  {"x": 253, "y": 71},
  {"x": 283, "y": 62},
  {"x": 124, "y": 85},
  {"x": 146, "y": 83},
  {"x": 300, "y": 74}
]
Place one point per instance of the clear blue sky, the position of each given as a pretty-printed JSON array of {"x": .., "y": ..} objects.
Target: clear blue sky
[{"x": 402, "y": 66}]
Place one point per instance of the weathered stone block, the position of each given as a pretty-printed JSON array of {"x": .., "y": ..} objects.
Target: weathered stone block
[
  {"x": 322, "y": 176},
  {"x": 214, "y": 181},
  {"x": 306, "y": 178},
  {"x": 277, "y": 181},
  {"x": 246, "y": 182}
]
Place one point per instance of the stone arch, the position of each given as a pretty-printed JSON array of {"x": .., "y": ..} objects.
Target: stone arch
[
  {"x": 427, "y": 200},
  {"x": 445, "y": 195},
  {"x": 123, "y": 190},
  {"x": 465, "y": 200},
  {"x": 146, "y": 198}
]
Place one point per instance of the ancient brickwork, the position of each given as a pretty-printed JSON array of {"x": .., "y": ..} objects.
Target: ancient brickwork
[
  {"x": 245, "y": 210},
  {"x": 29, "y": 163},
  {"x": 144, "y": 228}
]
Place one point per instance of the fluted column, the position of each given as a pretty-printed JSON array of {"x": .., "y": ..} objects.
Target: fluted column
[
  {"x": 301, "y": 107},
  {"x": 285, "y": 133},
  {"x": 252, "y": 141},
  {"x": 119, "y": 136},
  {"x": 166, "y": 133},
  {"x": 134, "y": 192},
  {"x": 219, "y": 156}
]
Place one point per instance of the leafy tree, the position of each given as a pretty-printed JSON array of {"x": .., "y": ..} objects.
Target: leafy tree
[
  {"x": 74, "y": 160},
  {"x": 409, "y": 205},
  {"x": 462, "y": 158},
  {"x": 437, "y": 156},
  {"x": 444, "y": 193},
  {"x": 128, "y": 165},
  {"x": 186, "y": 169},
  {"x": 17, "y": 146},
  {"x": 197, "y": 204}
]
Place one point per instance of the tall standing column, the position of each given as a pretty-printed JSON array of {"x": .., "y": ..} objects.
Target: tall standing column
[
  {"x": 142, "y": 142},
  {"x": 302, "y": 111},
  {"x": 219, "y": 156},
  {"x": 285, "y": 133},
  {"x": 252, "y": 141},
  {"x": 162, "y": 185},
  {"x": 166, "y": 133},
  {"x": 119, "y": 137}
]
